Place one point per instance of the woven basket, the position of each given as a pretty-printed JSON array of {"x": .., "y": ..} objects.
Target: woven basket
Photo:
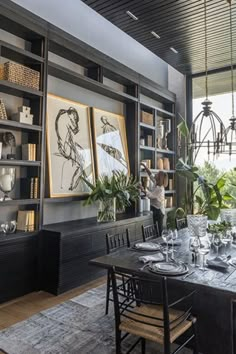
[
  {"x": 147, "y": 118},
  {"x": 20, "y": 74}
]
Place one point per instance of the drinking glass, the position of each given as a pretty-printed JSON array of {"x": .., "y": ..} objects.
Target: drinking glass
[
  {"x": 217, "y": 242},
  {"x": 194, "y": 245},
  {"x": 205, "y": 247},
  {"x": 166, "y": 236}
]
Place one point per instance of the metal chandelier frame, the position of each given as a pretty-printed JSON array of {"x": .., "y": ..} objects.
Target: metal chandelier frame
[
  {"x": 231, "y": 129},
  {"x": 212, "y": 137}
]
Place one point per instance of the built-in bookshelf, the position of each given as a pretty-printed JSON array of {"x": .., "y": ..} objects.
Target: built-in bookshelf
[
  {"x": 102, "y": 76},
  {"x": 157, "y": 149}
]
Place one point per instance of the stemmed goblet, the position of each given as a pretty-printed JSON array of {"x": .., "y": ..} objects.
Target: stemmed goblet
[
  {"x": 217, "y": 242},
  {"x": 194, "y": 245},
  {"x": 205, "y": 247},
  {"x": 166, "y": 236}
]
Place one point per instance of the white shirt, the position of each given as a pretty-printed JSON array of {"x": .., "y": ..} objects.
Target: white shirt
[{"x": 157, "y": 196}]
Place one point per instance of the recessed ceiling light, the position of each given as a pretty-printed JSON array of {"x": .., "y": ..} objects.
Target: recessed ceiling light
[
  {"x": 155, "y": 34},
  {"x": 131, "y": 15},
  {"x": 174, "y": 50}
]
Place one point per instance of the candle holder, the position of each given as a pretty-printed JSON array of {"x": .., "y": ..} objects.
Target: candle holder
[{"x": 7, "y": 181}]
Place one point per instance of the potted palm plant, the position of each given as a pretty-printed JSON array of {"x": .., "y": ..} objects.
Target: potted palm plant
[{"x": 112, "y": 193}]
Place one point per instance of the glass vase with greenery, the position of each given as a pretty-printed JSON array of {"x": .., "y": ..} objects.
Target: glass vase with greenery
[{"x": 113, "y": 193}]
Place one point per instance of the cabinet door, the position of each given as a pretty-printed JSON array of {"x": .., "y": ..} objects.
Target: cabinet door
[{"x": 18, "y": 268}]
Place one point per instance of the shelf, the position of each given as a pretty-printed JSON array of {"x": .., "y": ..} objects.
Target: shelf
[
  {"x": 16, "y": 235},
  {"x": 15, "y": 202},
  {"x": 167, "y": 152},
  {"x": 6, "y": 123},
  {"x": 143, "y": 173},
  {"x": 18, "y": 90},
  {"x": 20, "y": 163},
  {"x": 19, "y": 55},
  {"x": 161, "y": 112},
  {"x": 65, "y": 199},
  {"x": 170, "y": 192},
  {"x": 147, "y": 126},
  {"x": 148, "y": 148},
  {"x": 77, "y": 79}
]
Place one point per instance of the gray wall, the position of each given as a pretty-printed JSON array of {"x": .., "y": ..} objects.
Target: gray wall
[{"x": 78, "y": 19}]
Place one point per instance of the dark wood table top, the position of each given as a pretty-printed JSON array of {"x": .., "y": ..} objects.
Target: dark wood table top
[{"x": 127, "y": 260}]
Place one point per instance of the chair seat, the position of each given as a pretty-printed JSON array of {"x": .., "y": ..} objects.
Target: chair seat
[{"x": 151, "y": 332}]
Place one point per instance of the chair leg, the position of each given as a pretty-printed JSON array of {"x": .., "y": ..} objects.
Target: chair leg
[
  {"x": 108, "y": 292},
  {"x": 118, "y": 342},
  {"x": 143, "y": 346},
  {"x": 195, "y": 344}
]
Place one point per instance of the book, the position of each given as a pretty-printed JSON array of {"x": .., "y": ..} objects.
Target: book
[
  {"x": 29, "y": 187},
  {"x": 28, "y": 152},
  {"x": 22, "y": 220},
  {"x": 26, "y": 220},
  {"x": 36, "y": 187}
]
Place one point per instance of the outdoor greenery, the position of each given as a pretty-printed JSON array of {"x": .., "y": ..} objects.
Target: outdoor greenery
[{"x": 207, "y": 190}]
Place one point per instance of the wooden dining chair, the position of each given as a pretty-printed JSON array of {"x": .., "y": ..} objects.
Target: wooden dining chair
[
  {"x": 142, "y": 309},
  {"x": 113, "y": 243},
  {"x": 233, "y": 325},
  {"x": 150, "y": 232}
]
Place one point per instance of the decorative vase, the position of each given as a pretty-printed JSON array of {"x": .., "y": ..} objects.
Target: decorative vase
[
  {"x": 107, "y": 210},
  {"x": 197, "y": 225}
]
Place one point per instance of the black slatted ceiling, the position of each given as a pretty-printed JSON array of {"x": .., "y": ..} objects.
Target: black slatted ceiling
[{"x": 180, "y": 24}]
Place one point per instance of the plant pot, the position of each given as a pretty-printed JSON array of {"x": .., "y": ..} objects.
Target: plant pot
[{"x": 107, "y": 210}]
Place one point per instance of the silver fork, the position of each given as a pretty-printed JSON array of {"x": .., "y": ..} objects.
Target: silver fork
[{"x": 146, "y": 265}]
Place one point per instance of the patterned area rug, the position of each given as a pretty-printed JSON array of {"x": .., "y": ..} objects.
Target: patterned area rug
[{"x": 77, "y": 326}]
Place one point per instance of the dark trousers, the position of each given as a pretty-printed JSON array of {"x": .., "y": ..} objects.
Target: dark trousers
[{"x": 158, "y": 217}]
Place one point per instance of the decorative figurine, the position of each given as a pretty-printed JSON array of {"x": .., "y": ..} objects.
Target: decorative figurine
[{"x": 9, "y": 141}]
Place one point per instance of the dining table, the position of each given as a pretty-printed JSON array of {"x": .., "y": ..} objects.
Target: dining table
[{"x": 215, "y": 290}]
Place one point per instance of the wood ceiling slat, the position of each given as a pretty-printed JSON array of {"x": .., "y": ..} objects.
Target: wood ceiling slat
[
  {"x": 193, "y": 22},
  {"x": 180, "y": 24},
  {"x": 171, "y": 15}
]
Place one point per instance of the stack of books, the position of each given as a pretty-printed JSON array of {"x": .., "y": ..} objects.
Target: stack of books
[
  {"x": 26, "y": 220},
  {"x": 29, "y": 187},
  {"x": 29, "y": 152}
]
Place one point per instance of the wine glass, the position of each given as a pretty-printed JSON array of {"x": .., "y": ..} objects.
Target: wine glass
[
  {"x": 194, "y": 245},
  {"x": 217, "y": 242},
  {"x": 226, "y": 239},
  {"x": 205, "y": 247},
  {"x": 173, "y": 238},
  {"x": 166, "y": 236},
  {"x": 7, "y": 181}
]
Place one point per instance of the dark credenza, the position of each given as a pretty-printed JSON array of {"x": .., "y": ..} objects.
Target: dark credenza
[
  {"x": 18, "y": 265},
  {"x": 66, "y": 249}
]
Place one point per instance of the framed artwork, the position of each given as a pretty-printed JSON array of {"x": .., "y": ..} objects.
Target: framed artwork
[
  {"x": 69, "y": 147},
  {"x": 110, "y": 142}
]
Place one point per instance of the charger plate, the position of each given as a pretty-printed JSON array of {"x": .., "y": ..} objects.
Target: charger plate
[{"x": 169, "y": 268}]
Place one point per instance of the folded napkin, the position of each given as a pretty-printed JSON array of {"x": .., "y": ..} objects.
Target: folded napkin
[
  {"x": 147, "y": 246},
  {"x": 217, "y": 262},
  {"x": 157, "y": 257},
  {"x": 175, "y": 243}
]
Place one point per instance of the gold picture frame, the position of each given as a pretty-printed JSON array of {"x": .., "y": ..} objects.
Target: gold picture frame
[
  {"x": 69, "y": 147},
  {"x": 110, "y": 142}
]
